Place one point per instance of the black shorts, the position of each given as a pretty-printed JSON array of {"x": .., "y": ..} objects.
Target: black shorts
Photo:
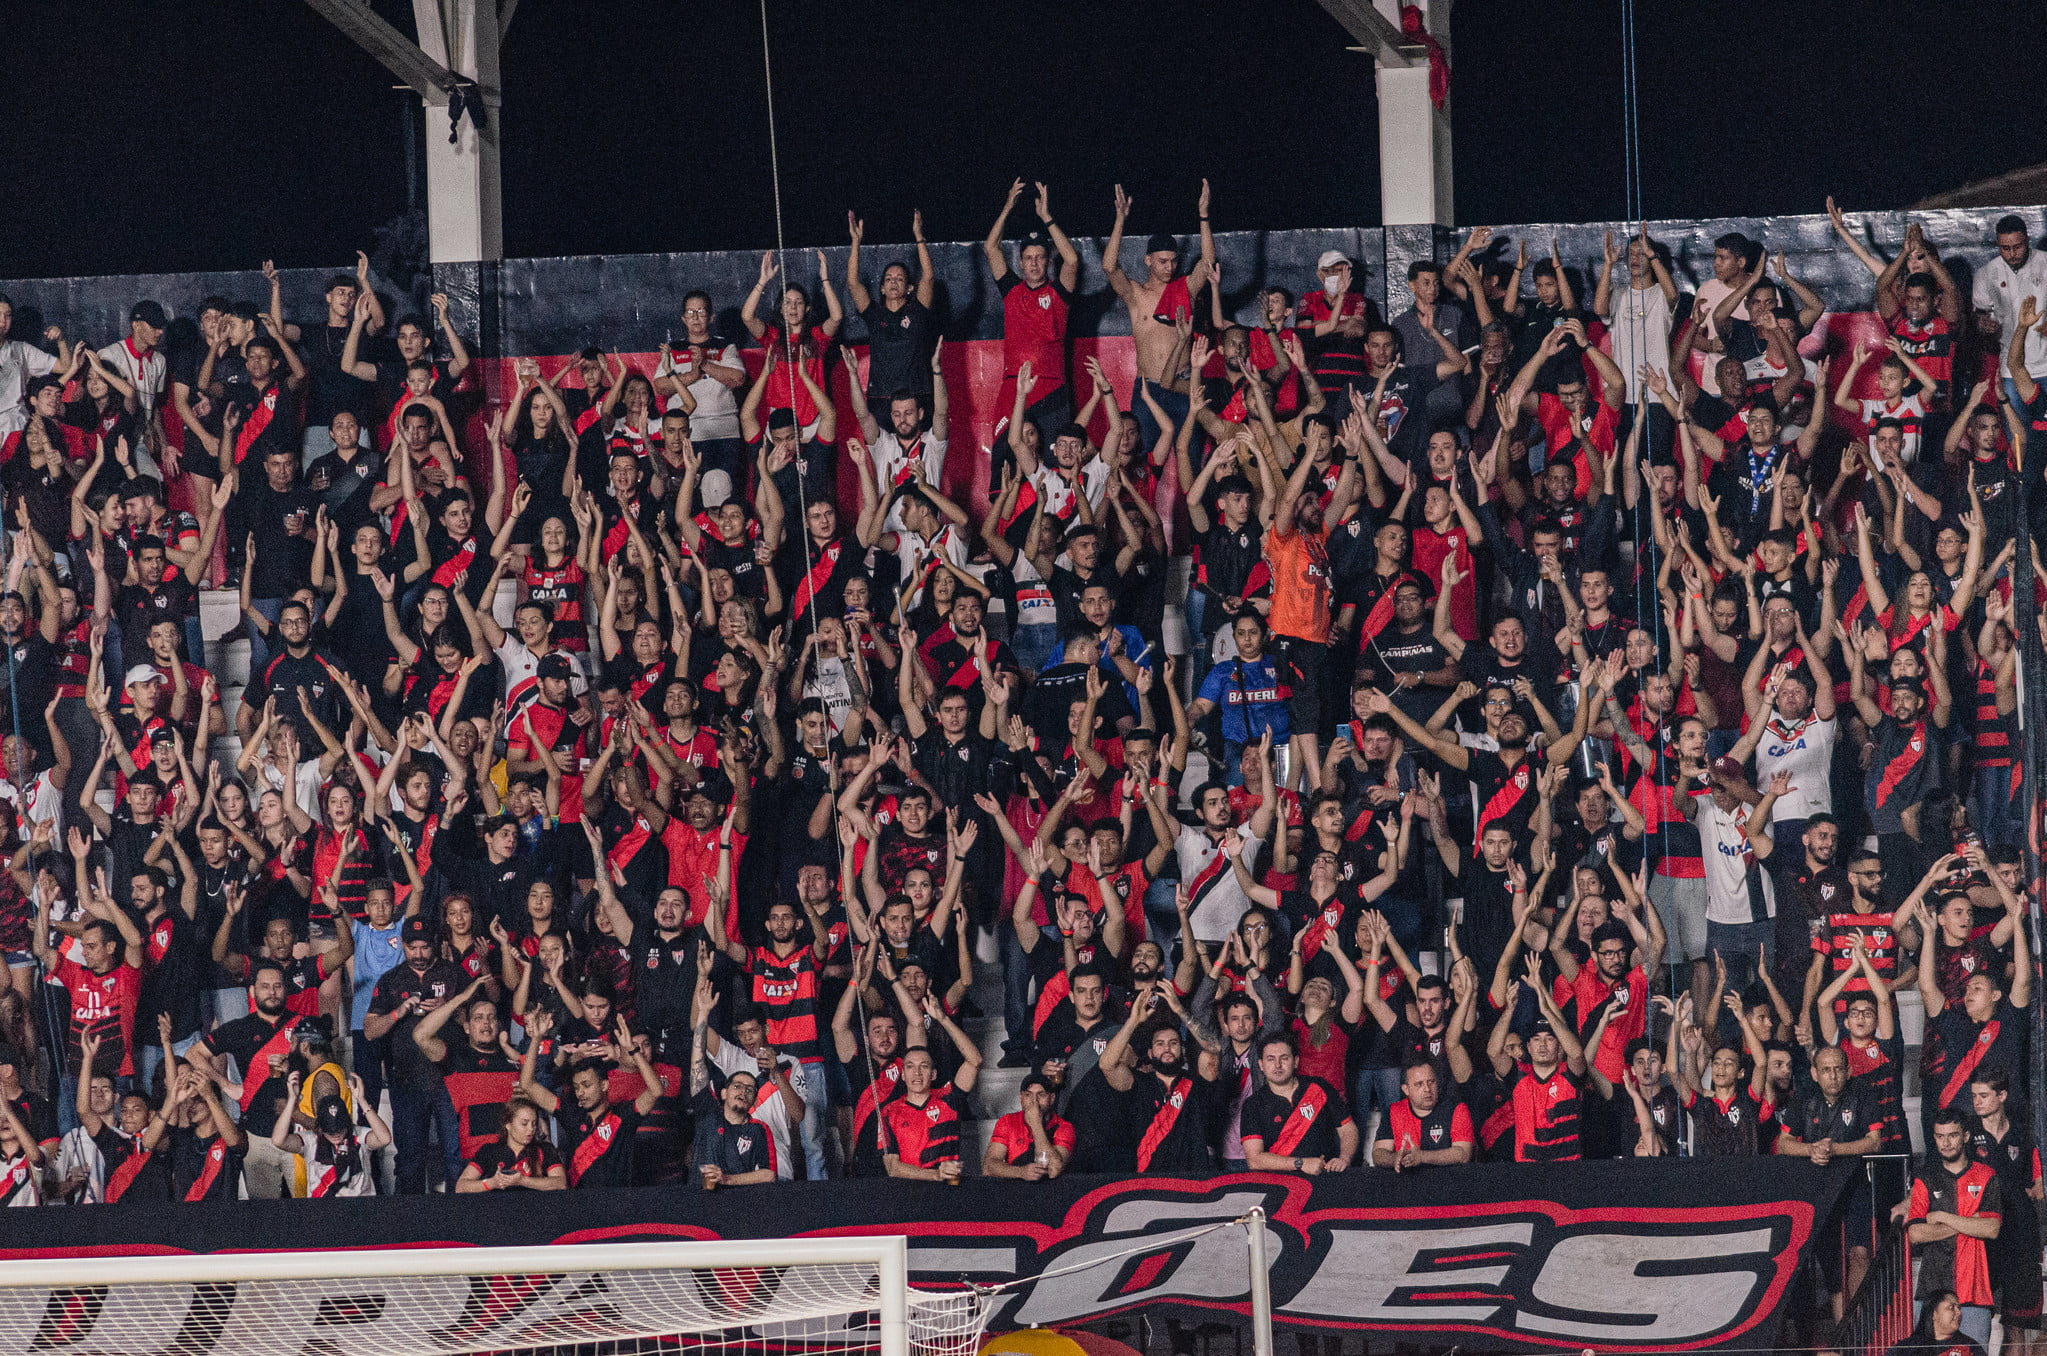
[{"x": 1304, "y": 664}]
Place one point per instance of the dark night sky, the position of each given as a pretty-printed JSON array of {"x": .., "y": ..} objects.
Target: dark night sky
[{"x": 252, "y": 127}]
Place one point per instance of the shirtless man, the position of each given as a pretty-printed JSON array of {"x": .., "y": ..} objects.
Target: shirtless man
[{"x": 1155, "y": 303}]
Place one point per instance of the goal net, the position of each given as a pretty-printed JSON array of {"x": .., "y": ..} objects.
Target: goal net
[{"x": 820, "y": 1297}]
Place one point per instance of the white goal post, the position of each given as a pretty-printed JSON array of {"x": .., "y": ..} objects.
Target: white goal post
[{"x": 812, "y": 1295}]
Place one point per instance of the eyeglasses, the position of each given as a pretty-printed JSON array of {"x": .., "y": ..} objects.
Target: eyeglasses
[
  {"x": 1611, "y": 953},
  {"x": 1498, "y": 701}
]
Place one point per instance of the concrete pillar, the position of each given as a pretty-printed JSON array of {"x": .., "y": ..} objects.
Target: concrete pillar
[{"x": 465, "y": 208}]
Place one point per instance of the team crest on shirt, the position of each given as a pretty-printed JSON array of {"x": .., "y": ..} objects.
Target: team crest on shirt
[
  {"x": 1847, "y": 1115},
  {"x": 1968, "y": 965},
  {"x": 932, "y": 1112},
  {"x": 1917, "y": 744},
  {"x": 745, "y": 1143},
  {"x": 1827, "y": 892},
  {"x": 1100, "y": 1044},
  {"x": 653, "y": 960},
  {"x": 1656, "y": 1113},
  {"x": 1975, "y": 1188},
  {"x": 1435, "y": 1134},
  {"x": 1305, "y": 1112},
  {"x": 963, "y": 753},
  {"x": 603, "y": 1133},
  {"x": 1881, "y": 936},
  {"x": 1045, "y": 302},
  {"x": 1734, "y": 1115}
]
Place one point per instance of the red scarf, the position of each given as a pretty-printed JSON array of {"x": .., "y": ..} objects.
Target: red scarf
[
  {"x": 820, "y": 574},
  {"x": 215, "y": 1157},
  {"x": 594, "y": 1145},
  {"x": 1967, "y": 1067},
  {"x": 253, "y": 427},
  {"x": 1300, "y": 1120},
  {"x": 459, "y": 563},
  {"x": 258, "y": 1072},
  {"x": 1162, "y": 1122},
  {"x": 123, "y": 1177}
]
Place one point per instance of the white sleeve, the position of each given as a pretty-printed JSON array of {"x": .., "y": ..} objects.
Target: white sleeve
[{"x": 1983, "y": 293}]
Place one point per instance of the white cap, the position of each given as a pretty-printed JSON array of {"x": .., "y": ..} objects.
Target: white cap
[
  {"x": 715, "y": 488},
  {"x": 143, "y": 673},
  {"x": 1331, "y": 258}
]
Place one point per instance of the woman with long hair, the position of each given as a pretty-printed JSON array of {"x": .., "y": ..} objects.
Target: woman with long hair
[{"x": 520, "y": 1156}]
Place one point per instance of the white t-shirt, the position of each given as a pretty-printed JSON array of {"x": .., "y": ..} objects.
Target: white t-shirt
[
  {"x": 145, "y": 373},
  {"x": 522, "y": 673},
  {"x": 1911, "y": 410},
  {"x": 1057, "y": 494},
  {"x": 827, "y": 683},
  {"x": 1034, "y": 602},
  {"x": 1999, "y": 289},
  {"x": 1710, "y": 294},
  {"x": 1217, "y": 904},
  {"x": 893, "y": 462},
  {"x": 45, "y": 801},
  {"x": 1638, "y": 330},
  {"x": 1733, "y": 875},
  {"x": 717, "y": 412},
  {"x": 1806, "y": 751},
  {"x": 912, "y": 551},
  {"x": 19, "y": 364}
]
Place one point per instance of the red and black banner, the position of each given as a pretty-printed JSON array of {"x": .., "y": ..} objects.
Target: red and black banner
[{"x": 1635, "y": 1255}]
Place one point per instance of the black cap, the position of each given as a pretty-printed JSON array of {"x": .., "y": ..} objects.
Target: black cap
[
  {"x": 149, "y": 313},
  {"x": 416, "y": 930},
  {"x": 1159, "y": 240},
  {"x": 556, "y": 665},
  {"x": 1036, "y": 1080},
  {"x": 1541, "y": 1028},
  {"x": 332, "y": 1117}
]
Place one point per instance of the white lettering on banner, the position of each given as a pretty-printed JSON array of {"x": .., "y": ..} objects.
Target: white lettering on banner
[
  {"x": 1602, "y": 1277},
  {"x": 1367, "y": 1274}
]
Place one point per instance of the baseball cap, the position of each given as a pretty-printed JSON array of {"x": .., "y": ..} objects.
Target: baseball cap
[
  {"x": 142, "y": 673},
  {"x": 149, "y": 313},
  {"x": 1728, "y": 768},
  {"x": 1036, "y": 1080},
  {"x": 1159, "y": 240},
  {"x": 716, "y": 486},
  {"x": 1331, "y": 258},
  {"x": 556, "y": 665},
  {"x": 1541, "y": 1027},
  {"x": 416, "y": 930},
  {"x": 332, "y": 1118}
]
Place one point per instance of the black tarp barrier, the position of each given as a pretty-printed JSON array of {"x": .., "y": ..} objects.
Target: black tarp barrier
[
  {"x": 1648, "y": 1254},
  {"x": 556, "y": 305}
]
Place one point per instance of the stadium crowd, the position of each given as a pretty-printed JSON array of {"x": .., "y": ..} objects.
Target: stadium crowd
[{"x": 618, "y": 802}]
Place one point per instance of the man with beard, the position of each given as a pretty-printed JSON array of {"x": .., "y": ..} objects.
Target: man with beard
[
  {"x": 1296, "y": 1121},
  {"x": 1823, "y": 907},
  {"x": 1506, "y": 780},
  {"x": 1297, "y": 548},
  {"x": 259, "y": 1046},
  {"x": 423, "y": 984},
  {"x": 1792, "y": 729},
  {"x": 1170, "y": 1111},
  {"x": 875, "y": 1073},
  {"x": 1407, "y": 658}
]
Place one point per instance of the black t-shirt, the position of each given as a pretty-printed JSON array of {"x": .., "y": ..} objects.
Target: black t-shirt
[
  {"x": 410, "y": 1066},
  {"x": 899, "y": 351},
  {"x": 140, "y": 606},
  {"x": 1405, "y": 407},
  {"x": 1270, "y": 1118},
  {"x": 1396, "y": 652},
  {"x": 284, "y": 559},
  {"x": 1105, "y": 1129},
  {"x": 31, "y": 664},
  {"x": 180, "y": 967},
  {"x": 344, "y": 485},
  {"x": 746, "y": 1147},
  {"x": 329, "y": 390},
  {"x": 616, "y": 1129}
]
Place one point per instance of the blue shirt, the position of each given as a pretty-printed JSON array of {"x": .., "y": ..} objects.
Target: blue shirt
[
  {"x": 377, "y": 952},
  {"x": 1136, "y": 650},
  {"x": 1252, "y": 698}
]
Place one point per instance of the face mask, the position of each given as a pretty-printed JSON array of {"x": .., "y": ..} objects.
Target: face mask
[{"x": 1332, "y": 286}]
